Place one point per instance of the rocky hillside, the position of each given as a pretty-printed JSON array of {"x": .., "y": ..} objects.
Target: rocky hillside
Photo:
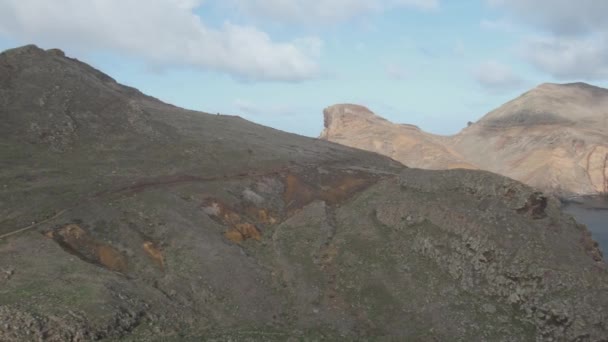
[
  {"x": 554, "y": 137},
  {"x": 125, "y": 218}
]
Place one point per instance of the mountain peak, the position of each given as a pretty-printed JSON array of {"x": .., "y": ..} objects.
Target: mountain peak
[
  {"x": 568, "y": 104},
  {"x": 580, "y": 85},
  {"x": 345, "y": 114},
  {"x": 348, "y": 109},
  {"x": 33, "y": 51},
  {"x": 73, "y": 100},
  {"x": 23, "y": 50},
  {"x": 570, "y": 89},
  {"x": 552, "y": 137},
  {"x": 49, "y": 61}
]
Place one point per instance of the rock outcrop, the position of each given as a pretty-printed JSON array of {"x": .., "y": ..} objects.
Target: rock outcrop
[
  {"x": 357, "y": 126},
  {"x": 554, "y": 137},
  {"x": 125, "y": 218}
]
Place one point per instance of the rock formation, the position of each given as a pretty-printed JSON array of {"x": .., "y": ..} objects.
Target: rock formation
[
  {"x": 125, "y": 218},
  {"x": 554, "y": 137},
  {"x": 357, "y": 126}
]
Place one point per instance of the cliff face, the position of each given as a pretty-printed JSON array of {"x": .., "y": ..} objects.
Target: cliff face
[
  {"x": 357, "y": 126},
  {"x": 125, "y": 218},
  {"x": 554, "y": 137}
]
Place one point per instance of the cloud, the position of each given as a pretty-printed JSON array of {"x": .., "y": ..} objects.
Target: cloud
[
  {"x": 188, "y": 4},
  {"x": 569, "y": 59},
  {"x": 572, "y": 37},
  {"x": 562, "y": 17},
  {"x": 322, "y": 11},
  {"x": 496, "y": 77},
  {"x": 395, "y": 71},
  {"x": 163, "y": 32}
]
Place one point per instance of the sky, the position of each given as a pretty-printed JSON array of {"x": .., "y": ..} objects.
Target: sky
[{"x": 434, "y": 63}]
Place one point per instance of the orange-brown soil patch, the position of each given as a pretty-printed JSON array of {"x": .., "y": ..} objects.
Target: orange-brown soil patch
[
  {"x": 243, "y": 231},
  {"x": 240, "y": 226},
  {"x": 261, "y": 215},
  {"x": 300, "y": 189},
  {"x": 332, "y": 188},
  {"x": 75, "y": 240},
  {"x": 249, "y": 231},
  {"x": 155, "y": 253}
]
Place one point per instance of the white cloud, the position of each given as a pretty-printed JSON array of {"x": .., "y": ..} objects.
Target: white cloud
[
  {"x": 495, "y": 76},
  {"x": 322, "y": 11},
  {"x": 312, "y": 45},
  {"x": 188, "y": 4},
  {"x": 569, "y": 58},
  {"x": 572, "y": 38},
  {"x": 562, "y": 17},
  {"x": 164, "y": 32},
  {"x": 396, "y": 71}
]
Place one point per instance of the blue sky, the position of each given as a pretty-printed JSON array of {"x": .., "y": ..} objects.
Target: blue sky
[{"x": 433, "y": 63}]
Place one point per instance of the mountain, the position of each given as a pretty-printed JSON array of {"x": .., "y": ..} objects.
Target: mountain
[
  {"x": 125, "y": 218},
  {"x": 554, "y": 137},
  {"x": 357, "y": 126}
]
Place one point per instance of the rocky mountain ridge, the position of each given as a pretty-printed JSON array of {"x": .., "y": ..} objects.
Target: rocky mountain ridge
[{"x": 554, "y": 137}]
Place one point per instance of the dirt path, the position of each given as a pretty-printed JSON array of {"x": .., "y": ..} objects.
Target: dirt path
[
  {"x": 184, "y": 179},
  {"x": 144, "y": 185},
  {"x": 21, "y": 230},
  {"x": 154, "y": 183}
]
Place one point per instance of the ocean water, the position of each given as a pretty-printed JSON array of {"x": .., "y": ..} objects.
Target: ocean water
[{"x": 593, "y": 212}]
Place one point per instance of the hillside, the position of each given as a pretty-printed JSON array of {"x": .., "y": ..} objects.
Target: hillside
[
  {"x": 357, "y": 126},
  {"x": 125, "y": 218},
  {"x": 554, "y": 137}
]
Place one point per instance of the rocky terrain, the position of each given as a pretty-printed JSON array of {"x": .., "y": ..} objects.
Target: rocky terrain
[
  {"x": 554, "y": 137},
  {"x": 125, "y": 218}
]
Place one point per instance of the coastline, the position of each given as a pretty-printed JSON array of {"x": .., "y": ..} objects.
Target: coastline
[
  {"x": 592, "y": 211},
  {"x": 591, "y": 202}
]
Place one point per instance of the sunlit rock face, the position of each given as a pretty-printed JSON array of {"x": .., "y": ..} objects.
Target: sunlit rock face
[
  {"x": 357, "y": 126},
  {"x": 554, "y": 137}
]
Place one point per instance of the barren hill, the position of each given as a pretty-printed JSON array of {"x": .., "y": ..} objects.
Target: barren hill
[
  {"x": 357, "y": 126},
  {"x": 125, "y": 218},
  {"x": 554, "y": 137}
]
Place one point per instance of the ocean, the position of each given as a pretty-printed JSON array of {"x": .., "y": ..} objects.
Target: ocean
[{"x": 592, "y": 212}]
